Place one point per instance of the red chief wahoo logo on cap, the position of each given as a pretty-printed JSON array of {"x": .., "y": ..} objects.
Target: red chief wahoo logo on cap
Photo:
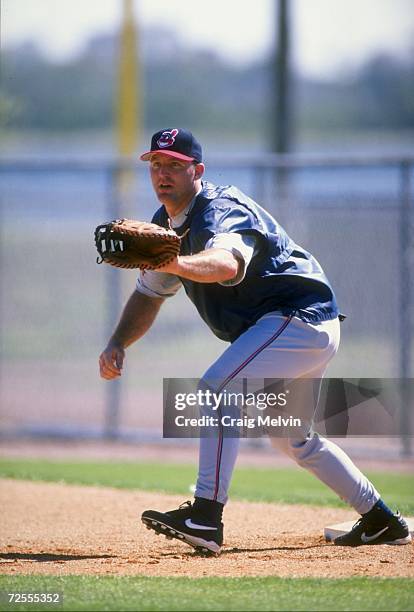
[
  {"x": 167, "y": 139},
  {"x": 175, "y": 142}
]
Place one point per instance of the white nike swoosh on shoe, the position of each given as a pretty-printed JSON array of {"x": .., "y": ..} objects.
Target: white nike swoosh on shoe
[
  {"x": 189, "y": 523},
  {"x": 366, "y": 539}
]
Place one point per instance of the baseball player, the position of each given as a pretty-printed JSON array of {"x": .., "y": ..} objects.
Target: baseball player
[{"x": 270, "y": 299}]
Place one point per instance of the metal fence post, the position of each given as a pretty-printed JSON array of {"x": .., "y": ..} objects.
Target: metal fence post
[
  {"x": 113, "y": 306},
  {"x": 406, "y": 306},
  {"x": 259, "y": 183}
]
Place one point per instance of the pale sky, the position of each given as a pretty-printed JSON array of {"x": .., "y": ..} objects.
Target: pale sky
[{"x": 328, "y": 35}]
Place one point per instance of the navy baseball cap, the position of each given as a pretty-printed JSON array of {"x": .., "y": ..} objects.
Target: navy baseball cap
[{"x": 175, "y": 143}]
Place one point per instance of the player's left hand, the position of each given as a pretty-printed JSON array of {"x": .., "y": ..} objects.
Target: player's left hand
[{"x": 111, "y": 361}]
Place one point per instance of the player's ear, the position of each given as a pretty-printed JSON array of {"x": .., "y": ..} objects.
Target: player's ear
[{"x": 199, "y": 171}]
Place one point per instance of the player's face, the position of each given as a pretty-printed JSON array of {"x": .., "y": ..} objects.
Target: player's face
[{"x": 174, "y": 181}]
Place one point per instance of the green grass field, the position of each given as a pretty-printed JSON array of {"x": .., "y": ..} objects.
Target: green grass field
[
  {"x": 287, "y": 485},
  {"x": 177, "y": 593},
  {"x": 111, "y": 593}
]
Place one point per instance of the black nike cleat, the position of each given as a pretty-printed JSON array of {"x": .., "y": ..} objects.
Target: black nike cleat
[
  {"x": 394, "y": 531},
  {"x": 184, "y": 525}
]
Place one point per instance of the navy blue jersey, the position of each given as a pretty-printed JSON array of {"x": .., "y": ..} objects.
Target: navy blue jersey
[{"x": 281, "y": 276}]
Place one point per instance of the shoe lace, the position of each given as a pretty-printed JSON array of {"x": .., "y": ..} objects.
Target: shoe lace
[
  {"x": 358, "y": 522},
  {"x": 186, "y": 503},
  {"x": 366, "y": 523}
]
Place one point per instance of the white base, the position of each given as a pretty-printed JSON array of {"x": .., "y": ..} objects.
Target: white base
[{"x": 333, "y": 531}]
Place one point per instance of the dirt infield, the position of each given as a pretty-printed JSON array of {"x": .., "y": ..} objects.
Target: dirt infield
[{"x": 60, "y": 529}]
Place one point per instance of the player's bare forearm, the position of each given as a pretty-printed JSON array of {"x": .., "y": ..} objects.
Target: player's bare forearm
[
  {"x": 137, "y": 317},
  {"x": 210, "y": 266}
]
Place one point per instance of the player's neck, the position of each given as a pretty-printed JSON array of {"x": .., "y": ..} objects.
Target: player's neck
[{"x": 175, "y": 208}]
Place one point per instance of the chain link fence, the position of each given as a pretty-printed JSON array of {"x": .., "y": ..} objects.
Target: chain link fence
[{"x": 355, "y": 214}]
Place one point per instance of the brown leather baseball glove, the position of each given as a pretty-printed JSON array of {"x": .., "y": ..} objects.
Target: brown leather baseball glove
[{"x": 125, "y": 243}]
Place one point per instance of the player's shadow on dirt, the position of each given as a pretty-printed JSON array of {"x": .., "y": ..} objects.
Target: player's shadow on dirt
[
  {"x": 235, "y": 551},
  {"x": 232, "y": 551},
  {"x": 45, "y": 557}
]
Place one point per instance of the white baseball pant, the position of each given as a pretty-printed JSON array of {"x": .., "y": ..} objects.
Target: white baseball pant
[{"x": 279, "y": 347}]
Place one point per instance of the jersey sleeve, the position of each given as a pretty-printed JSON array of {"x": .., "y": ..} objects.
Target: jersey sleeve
[
  {"x": 157, "y": 284},
  {"x": 225, "y": 217},
  {"x": 242, "y": 246}
]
